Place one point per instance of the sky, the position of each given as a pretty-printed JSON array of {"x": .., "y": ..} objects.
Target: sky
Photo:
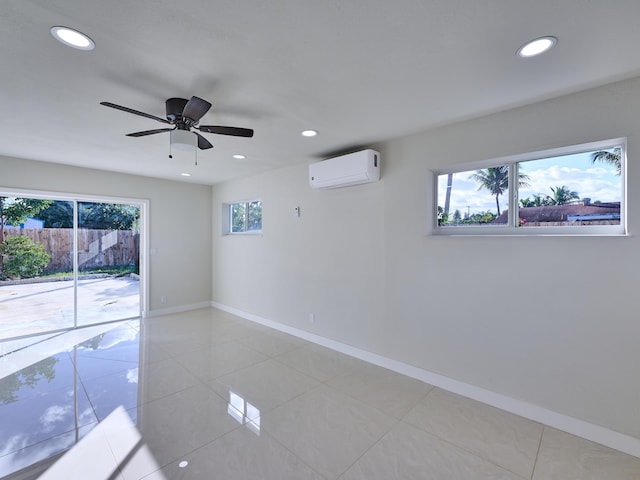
[{"x": 597, "y": 181}]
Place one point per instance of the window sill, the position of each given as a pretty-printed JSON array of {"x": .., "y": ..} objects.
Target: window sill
[{"x": 479, "y": 231}]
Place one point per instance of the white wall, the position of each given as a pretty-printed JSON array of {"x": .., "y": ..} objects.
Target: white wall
[
  {"x": 179, "y": 220},
  {"x": 549, "y": 320},
  {"x": 311, "y": 264}
]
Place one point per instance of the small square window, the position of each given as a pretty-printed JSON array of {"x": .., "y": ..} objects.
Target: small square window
[{"x": 245, "y": 217}]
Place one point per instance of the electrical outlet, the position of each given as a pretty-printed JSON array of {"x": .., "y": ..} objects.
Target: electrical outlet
[
  {"x": 312, "y": 318},
  {"x": 163, "y": 299}
]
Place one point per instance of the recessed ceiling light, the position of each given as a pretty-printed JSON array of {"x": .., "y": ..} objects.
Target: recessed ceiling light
[
  {"x": 537, "y": 46},
  {"x": 183, "y": 464},
  {"x": 237, "y": 156},
  {"x": 72, "y": 38},
  {"x": 185, "y": 174},
  {"x": 309, "y": 133}
]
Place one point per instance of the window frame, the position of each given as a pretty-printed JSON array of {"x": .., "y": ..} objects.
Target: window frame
[
  {"x": 227, "y": 217},
  {"x": 512, "y": 228}
]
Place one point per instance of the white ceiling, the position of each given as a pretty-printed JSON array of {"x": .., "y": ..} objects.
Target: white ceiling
[{"x": 358, "y": 71}]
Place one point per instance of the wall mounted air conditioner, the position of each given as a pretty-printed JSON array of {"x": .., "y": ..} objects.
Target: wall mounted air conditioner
[{"x": 351, "y": 169}]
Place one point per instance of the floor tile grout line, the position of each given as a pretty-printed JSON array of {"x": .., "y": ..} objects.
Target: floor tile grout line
[
  {"x": 221, "y": 437},
  {"x": 275, "y": 439},
  {"x": 270, "y": 355},
  {"x": 208, "y": 381},
  {"x": 162, "y": 397},
  {"x": 210, "y": 387},
  {"x": 386, "y": 432},
  {"x": 86, "y": 394},
  {"x": 31, "y": 345},
  {"x": 203, "y": 382},
  {"x": 190, "y": 452},
  {"x": 109, "y": 359},
  {"x": 71, "y": 430},
  {"x": 535, "y": 463},
  {"x": 307, "y": 374},
  {"x": 295, "y": 397},
  {"x": 320, "y": 385},
  {"x": 542, "y": 426},
  {"x": 459, "y": 447},
  {"x": 104, "y": 375},
  {"x": 326, "y": 383}
]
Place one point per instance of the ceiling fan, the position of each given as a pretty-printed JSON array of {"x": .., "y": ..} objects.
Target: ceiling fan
[{"x": 184, "y": 115}]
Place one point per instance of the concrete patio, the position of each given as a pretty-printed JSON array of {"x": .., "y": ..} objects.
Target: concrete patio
[{"x": 30, "y": 308}]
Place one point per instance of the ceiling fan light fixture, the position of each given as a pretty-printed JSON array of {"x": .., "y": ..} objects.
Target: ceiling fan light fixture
[
  {"x": 183, "y": 140},
  {"x": 537, "y": 46},
  {"x": 72, "y": 38}
]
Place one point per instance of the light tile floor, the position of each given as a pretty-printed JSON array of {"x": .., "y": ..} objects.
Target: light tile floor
[{"x": 204, "y": 394}]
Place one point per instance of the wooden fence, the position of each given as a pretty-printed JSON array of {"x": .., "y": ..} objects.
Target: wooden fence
[{"x": 96, "y": 248}]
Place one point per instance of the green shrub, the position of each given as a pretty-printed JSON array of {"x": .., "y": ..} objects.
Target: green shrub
[{"x": 22, "y": 258}]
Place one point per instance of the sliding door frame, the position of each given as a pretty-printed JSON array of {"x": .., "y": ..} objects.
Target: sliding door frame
[{"x": 143, "y": 204}]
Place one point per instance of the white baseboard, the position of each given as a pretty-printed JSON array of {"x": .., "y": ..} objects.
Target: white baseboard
[
  {"x": 182, "y": 308},
  {"x": 580, "y": 428}
]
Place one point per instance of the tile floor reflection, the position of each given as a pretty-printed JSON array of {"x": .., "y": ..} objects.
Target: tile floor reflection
[{"x": 204, "y": 394}]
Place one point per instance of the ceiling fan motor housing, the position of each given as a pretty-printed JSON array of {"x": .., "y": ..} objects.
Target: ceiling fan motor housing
[
  {"x": 183, "y": 140},
  {"x": 175, "y": 107}
]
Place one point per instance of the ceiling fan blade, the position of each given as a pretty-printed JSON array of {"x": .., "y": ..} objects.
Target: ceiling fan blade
[
  {"x": 221, "y": 130},
  {"x": 135, "y": 112},
  {"x": 149, "y": 132},
  {"x": 203, "y": 143},
  {"x": 195, "y": 109}
]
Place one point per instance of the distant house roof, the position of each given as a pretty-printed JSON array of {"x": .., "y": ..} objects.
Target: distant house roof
[
  {"x": 564, "y": 213},
  {"x": 30, "y": 223}
]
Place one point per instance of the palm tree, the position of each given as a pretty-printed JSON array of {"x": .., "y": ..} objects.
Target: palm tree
[
  {"x": 496, "y": 180},
  {"x": 539, "y": 200},
  {"x": 447, "y": 199},
  {"x": 562, "y": 195},
  {"x": 612, "y": 158}
]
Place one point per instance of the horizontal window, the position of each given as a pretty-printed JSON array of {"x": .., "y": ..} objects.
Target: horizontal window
[{"x": 571, "y": 190}]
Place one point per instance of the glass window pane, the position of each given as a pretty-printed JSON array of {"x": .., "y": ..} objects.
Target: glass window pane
[
  {"x": 254, "y": 220},
  {"x": 572, "y": 190},
  {"x": 237, "y": 217},
  {"x": 37, "y": 266},
  {"x": 474, "y": 197}
]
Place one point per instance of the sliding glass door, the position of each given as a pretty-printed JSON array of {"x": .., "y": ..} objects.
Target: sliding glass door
[
  {"x": 36, "y": 267},
  {"x": 108, "y": 242},
  {"x": 67, "y": 263}
]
